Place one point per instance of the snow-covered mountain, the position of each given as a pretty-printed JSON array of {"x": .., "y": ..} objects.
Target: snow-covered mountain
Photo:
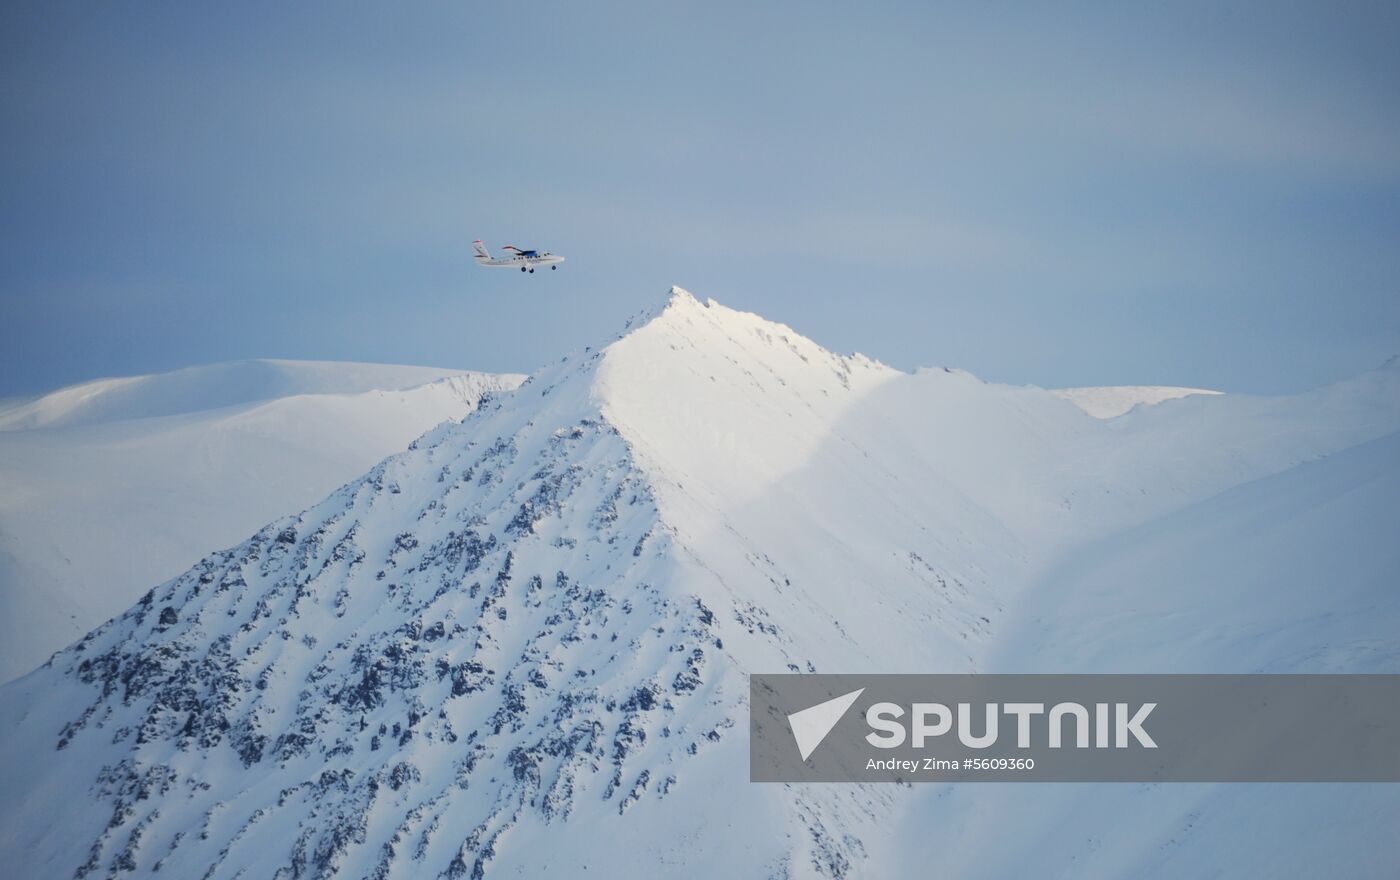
[
  {"x": 521, "y": 646},
  {"x": 110, "y": 486}
]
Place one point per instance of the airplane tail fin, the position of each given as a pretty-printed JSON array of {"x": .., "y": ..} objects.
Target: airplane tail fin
[{"x": 481, "y": 252}]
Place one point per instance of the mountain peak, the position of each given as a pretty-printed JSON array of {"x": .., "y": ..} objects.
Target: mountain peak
[
  {"x": 678, "y": 299},
  {"x": 689, "y": 351},
  {"x": 685, "y": 314},
  {"x": 680, "y": 296}
]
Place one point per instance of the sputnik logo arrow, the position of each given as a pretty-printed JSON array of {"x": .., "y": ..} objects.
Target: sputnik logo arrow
[{"x": 811, "y": 725}]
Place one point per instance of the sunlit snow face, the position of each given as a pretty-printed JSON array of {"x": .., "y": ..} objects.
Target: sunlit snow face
[{"x": 736, "y": 401}]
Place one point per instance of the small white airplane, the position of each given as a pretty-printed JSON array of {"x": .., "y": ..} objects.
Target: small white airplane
[{"x": 526, "y": 260}]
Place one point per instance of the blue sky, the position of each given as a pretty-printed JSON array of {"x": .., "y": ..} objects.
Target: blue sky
[{"x": 1202, "y": 195}]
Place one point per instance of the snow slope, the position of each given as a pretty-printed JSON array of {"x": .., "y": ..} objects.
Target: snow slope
[
  {"x": 520, "y": 647},
  {"x": 1292, "y": 573},
  {"x": 1111, "y": 401},
  {"x": 111, "y": 486}
]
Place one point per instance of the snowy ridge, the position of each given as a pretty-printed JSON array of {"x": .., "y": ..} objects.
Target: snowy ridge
[{"x": 520, "y": 646}]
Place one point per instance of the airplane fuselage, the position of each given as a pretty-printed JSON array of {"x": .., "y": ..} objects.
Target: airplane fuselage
[{"x": 523, "y": 260}]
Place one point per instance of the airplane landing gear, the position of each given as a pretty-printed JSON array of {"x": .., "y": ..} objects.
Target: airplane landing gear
[
  {"x": 552, "y": 268},
  {"x": 522, "y": 268},
  {"x": 532, "y": 271}
]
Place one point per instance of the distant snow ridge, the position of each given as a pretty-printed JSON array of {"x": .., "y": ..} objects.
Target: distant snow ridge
[
  {"x": 520, "y": 647},
  {"x": 194, "y": 389},
  {"x": 1112, "y": 401}
]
